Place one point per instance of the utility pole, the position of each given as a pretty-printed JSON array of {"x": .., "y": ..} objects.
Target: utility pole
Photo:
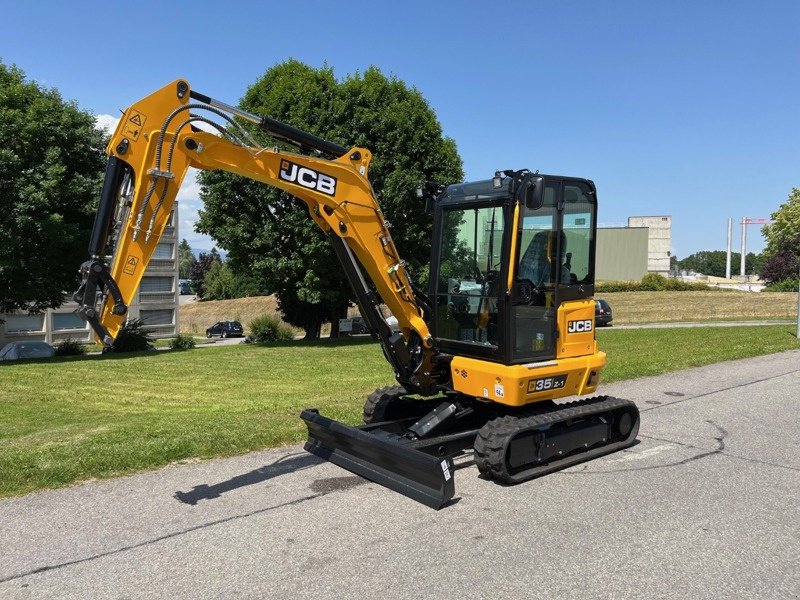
[
  {"x": 728, "y": 259},
  {"x": 797, "y": 334},
  {"x": 744, "y": 247},
  {"x": 745, "y": 222}
]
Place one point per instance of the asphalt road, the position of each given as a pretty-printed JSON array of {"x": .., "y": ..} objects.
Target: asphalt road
[{"x": 705, "y": 506}]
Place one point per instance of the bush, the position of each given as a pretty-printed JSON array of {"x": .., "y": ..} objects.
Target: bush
[
  {"x": 268, "y": 328},
  {"x": 652, "y": 282},
  {"x": 70, "y": 347},
  {"x": 132, "y": 337},
  {"x": 182, "y": 342},
  {"x": 785, "y": 285}
]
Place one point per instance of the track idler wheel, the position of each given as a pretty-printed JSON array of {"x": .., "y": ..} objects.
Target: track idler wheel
[
  {"x": 392, "y": 402},
  {"x": 376, "y": 408}
]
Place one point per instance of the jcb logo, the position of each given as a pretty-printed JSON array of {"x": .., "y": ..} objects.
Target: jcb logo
[
  {"x": 306, "y": 177},
  {"x": 579, "y": 326}
]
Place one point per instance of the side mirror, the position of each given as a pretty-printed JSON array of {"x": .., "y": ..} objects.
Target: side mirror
[{"x": 532, "y": 193}]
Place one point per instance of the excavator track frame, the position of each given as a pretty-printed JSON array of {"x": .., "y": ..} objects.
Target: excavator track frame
[
  {"x": 569, "y": 434},
  {"x": 510, "y": 445}
]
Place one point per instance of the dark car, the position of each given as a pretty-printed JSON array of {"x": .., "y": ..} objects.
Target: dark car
[
  {"x": 22, "y": 350},
  {"x": 225, "y": 329},
  {"x": 602, "y": 313},
  {"x": 359, "y": 326}
]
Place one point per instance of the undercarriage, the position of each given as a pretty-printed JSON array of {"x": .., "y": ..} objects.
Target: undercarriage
[{"x": 414, "y": 449}]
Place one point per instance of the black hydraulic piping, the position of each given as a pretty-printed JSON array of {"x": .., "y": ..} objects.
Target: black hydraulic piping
[{"x": 282, "y": 131}]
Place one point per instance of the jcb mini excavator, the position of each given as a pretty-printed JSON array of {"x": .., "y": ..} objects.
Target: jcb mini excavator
[{"x": 505, "y": 328}]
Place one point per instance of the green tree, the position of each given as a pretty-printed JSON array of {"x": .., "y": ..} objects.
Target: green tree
[
  {"x": 222, "y": 283},
  {"x": 185, "y": 259},
  {"x": 272, "y": 237},
  {"x": 783, "y": 265},
  {"x": 712, "y": 262},
  {"x": 51, "y": 169},
  {"x": 200, "y": 266},
  {"x": 785, "y": 224},
  {"x": 219, "y": 282}
]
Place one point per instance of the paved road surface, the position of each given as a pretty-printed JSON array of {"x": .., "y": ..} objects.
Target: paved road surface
[{"x": 706, "y": 506}]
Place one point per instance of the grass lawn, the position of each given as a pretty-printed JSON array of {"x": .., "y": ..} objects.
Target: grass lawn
[
  {"x": 77, "y": 418},
  {"x": 628, "y": 307},
  {"x": 712, "y": 305}
]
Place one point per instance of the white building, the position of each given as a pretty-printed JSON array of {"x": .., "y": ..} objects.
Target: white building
[
  {"x": 659, "y": 241},
  {"x": 155, "y": 303}
]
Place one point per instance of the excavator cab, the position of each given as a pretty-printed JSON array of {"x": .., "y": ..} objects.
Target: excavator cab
[{"x": 501, "y": 267}]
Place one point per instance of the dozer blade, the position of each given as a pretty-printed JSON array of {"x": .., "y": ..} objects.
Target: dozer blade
[{"x": 383, "y": 458}]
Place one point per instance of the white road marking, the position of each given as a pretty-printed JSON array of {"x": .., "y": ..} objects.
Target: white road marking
[{"x": 634, "y": 455}]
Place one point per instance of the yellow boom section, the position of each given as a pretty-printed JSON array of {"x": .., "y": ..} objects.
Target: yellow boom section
[{"x": 155, "y": 139}]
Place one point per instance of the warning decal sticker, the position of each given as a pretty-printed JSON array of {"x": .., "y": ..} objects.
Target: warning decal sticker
[
  {"x": 134, "y": 124},
  {"x": 130, "y": 265}
]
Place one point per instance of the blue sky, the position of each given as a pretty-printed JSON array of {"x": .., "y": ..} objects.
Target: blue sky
[{"x": 687, "y": 109}]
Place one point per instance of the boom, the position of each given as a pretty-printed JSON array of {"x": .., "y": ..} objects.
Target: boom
[{"x": 154, "y": 145}]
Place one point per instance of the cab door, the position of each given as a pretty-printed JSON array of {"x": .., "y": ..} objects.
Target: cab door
[
  {"x": 468, "y": 275},
  {"x": 554, "y": 265}
]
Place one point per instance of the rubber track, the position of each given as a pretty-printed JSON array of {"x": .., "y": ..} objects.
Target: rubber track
[
  {"x": 384, "y": 396},
  {"x": 494, "y": 437}
]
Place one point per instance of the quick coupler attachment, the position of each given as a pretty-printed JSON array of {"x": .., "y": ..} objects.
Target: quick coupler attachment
[
  {"x": 96, "y": 285},
  {"x": 382, "y": 457}
]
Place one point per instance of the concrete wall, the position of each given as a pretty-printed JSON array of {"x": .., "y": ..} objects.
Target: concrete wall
[
  {"x": 621, "y": 254},
  {"x": 659, "y": 241}
]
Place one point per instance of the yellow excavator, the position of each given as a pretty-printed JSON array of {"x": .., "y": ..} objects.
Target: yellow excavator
[{"x": 505, "y": 328}]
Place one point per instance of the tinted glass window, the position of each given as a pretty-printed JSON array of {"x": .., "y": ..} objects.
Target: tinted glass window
[
  {"x": 156, "y": 284},
  {"x": 163, "y": 250},
  {"x": 68, "y": 321},
  {"x": 578, "y": 217},
  {"x": 156, "y": 317},
  {"x": 16, "y": 323},
  {"x": 537, "y": 243},
  {"x": 468, "y": 283}
]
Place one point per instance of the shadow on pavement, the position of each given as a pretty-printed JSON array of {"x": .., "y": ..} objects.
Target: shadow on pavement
[{"x": 282, "y": 466}]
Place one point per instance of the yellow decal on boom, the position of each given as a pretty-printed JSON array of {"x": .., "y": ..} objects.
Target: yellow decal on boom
[
  {"x": 130, "y": 265},
  {"x": 134, "y": 124}
]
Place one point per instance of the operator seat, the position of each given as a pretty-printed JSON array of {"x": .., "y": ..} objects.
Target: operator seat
[{"x": 539, "y": 261}]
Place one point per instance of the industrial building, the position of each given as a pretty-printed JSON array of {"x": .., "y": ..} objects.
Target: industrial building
[
  {"x": 156, "y": 303},
  {"x": 659, "y": 241},
  {"x": 629, "y": 253}
]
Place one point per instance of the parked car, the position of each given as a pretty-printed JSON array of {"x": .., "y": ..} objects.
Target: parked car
[
  {"x": 602, "y": 313},
  {"x": 184, "y": 287},
  {"x": 352, "y": 326},
  {"x": 225, "y": 329},
  {"x": 20, "y": 350}
]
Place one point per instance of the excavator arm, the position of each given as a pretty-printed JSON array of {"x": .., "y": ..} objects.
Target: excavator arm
[{"x": 157, "y": 141}]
